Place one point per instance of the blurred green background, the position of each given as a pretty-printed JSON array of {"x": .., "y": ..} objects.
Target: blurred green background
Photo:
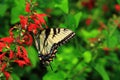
[{"x": 94, "y": 52}]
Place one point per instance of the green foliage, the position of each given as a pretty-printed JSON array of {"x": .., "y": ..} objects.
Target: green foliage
[{"x": 80, "y": 58}]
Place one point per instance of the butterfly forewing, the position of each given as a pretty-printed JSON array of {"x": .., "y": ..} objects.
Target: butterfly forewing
[{"x": 49, "y": 39}]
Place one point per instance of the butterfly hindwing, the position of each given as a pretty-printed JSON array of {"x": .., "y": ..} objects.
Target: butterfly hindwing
[{"x": 48, "y": 40}]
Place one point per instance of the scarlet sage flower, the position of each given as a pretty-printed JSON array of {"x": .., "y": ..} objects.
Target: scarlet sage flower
[
  {"x": 117, "y": 7},
  {"x": 3, "y": 67},
  {"x": 27, "y": 7},
  {"x": 23, "y": 21},
  {"x": 11, "y": 55},
  {"x": 7, "y": 39},
  {"x": 2, "y": 45},
  {"x": 28, "y": 39},
  {"x": 21, "y": 63},
  {"x": 2, "y": 56},
  {"x": 38, "y": 18},
  {"x": 19, "y": 54},
  {"x": 32, "y": 27},
  {"x": 7, "y": 74}
]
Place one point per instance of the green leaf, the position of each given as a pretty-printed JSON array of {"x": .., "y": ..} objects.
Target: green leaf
[
  {"x": 15, "y": 77},
  {"x": 70, "y": 21},
  {"x": 63, "y": 5},
  {"x": 101, "y": 70},
  {"x": 77, "y": 18},
  {"x": 18, "y": 10},
  {"x": 60, "y": 75},
  {"x": 33, "y": 55},
  {"x": 118, "y": 1},
  {"x": 3, "y": 8},
  {"x": 88, "y": 34},
  {"x": 87, "y": 56}
]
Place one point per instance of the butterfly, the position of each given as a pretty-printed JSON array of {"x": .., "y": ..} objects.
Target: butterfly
[{"x": 48, "y": 40}]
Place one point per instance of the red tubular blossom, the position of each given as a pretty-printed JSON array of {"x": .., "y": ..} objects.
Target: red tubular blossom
[
  {"x": 19, "y": 54},
  {"x": 28, "y": 39},
  {"x": 21, "y": 63},
  {"x": 11, "y": 55},
  {"x": 117, "y": 7},
  {"x": 2, "y": 45},
  {"x": 2, "y": 56},
  {"x": 27, "y": 7},
  {"x": 24, "y": 51},
  {"x": 3, "y": 67},
  {"x": 32, "y": 27},
  {"x": 7, "y": 74},
  {"x": 7, "y": 39},
  {"x": 26, "y": 60},
  {"x": 40, "y": 18},
  {"x": 23, "y": 21}
]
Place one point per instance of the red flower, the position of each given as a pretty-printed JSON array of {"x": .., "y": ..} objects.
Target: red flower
[
  {"x": 23, "y": 21},
  {"x": 28, "y": 39},
  {"x": 2, "y": 56},
  {"x": 33, "y": 28},
  {"x": 38, "y": 18},
  {"x": 19, "y": 54},
  {"x": 26, "y": 60},
  {"x": 27, "y": 7},
  {"x": 3, "y": 67},
  {"x": 2, "y": 45},
  {"x": 7, "y": 39},
  {"x": 11, "y": 55},
  {"x": 24, "y": 52},
  {"x": 21, "y": 63},
  {"x": 117, "y": 7},
  {"x": 88, "y": 21},
  {"x": 7, "y": 75}
]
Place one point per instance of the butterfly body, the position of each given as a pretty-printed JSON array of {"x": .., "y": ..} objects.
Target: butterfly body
[{"x": 48, "y": 40}]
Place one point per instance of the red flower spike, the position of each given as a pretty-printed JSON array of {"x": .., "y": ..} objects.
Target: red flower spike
[
  {"x": 28, "y": 39},
  {"x": 2, "y": 56},
  {"x": 23, "y": 21},
  {"x": 32, "y": 27},
  {"x": 19, "y": 54},
  {"x": 117, "y": 7},
  {"x": 24, "y": 51},
  {"x": 7, "y": 39},
  {"x": 40, "y": 18},
  {"x": 27, "y": 7},
  {"x": 7, "y": 74},
  {"x": 26, "y": 60},
  {"x": 2, "y": 45},
  {"x": 3, "y": 67},
  {"x": 11, "y": 55},
  {"x": 21, "y": 63}
]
